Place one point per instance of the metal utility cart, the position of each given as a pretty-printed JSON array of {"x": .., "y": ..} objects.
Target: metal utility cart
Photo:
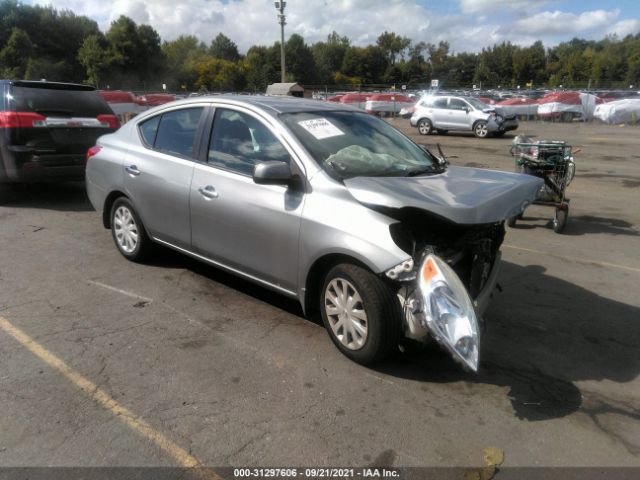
[{"x": 552, "y": 161}]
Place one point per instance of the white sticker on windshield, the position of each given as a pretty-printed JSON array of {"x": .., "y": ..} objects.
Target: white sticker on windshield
[{"x": 321, "y": 128}]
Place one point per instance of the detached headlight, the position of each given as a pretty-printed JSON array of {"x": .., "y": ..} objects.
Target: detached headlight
[{"x": 448, "y": 312}]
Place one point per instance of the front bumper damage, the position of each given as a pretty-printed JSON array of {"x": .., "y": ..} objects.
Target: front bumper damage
[{"x": 450, "y": 307}]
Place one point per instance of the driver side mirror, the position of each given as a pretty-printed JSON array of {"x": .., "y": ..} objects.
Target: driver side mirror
[{"x": 273, "y": 173}]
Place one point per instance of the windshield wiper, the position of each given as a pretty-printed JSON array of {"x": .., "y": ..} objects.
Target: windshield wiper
[{"x": 430, "y": 170}]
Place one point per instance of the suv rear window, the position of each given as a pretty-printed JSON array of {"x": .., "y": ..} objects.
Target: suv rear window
[{"x": 57, "y": 102}]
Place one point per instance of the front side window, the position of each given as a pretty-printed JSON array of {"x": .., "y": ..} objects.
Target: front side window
[
  {"x": 477, "y": 104},
  {"x": 457, "y": 104},
  {"x": 173, "y": 132},
  {"x": 239, "y": 142},
  {"x": 352, "y": 144}
]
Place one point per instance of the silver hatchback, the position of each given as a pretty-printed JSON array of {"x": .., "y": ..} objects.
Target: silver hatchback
[
  {"x": 463, "y": 114},
  {"x": 320, "y": 202}
]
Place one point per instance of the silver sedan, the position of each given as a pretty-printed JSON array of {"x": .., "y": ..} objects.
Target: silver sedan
[{"x": 320, "y": 202}]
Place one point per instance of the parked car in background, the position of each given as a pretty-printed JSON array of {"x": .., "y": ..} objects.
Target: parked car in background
[
  {"x": 317, "y": 201},
  {"x": 462, "y": 114},
  {"x": 46, "y": 129}
]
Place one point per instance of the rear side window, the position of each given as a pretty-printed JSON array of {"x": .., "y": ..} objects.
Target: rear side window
[
  {"x": 440, "y": 102},
  {"x": 173, "y": 132},
  {"x": 52, "y": 102}
]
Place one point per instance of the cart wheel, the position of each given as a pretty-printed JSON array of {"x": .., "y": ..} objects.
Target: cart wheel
[
  {"x": 560, "y": 218},
  {"x": 511, "y": 221}
]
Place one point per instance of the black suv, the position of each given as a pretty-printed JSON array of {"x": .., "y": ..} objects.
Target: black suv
[{"x": 46, "y": 129}]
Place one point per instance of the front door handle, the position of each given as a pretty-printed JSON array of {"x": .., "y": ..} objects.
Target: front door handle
[
  {"x": 208, "y": 192},
  {"x": 132, "y": 170}
]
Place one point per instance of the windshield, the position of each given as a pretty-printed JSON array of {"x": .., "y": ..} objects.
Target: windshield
[
  {"x": 353, "y": 144},
  {"x": 477, "y": 104}
]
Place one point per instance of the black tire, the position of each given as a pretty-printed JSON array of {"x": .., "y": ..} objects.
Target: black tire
[
  {"x": 566, "y": 117},
  {"x": 4, "y": 194},
  {"x": 440, "y": 131},
  {"x": 560, "y": 218},
  {"x": 511, "y": 221},
  {"x": 425, "y": 126},
  {"x": 143, "y": 245},
  {"x": 480, "y": 129},
  {"x": 380, "y": 305}
]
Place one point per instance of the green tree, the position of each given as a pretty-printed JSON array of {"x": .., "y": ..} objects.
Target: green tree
[
  {"x": 300, "y": 64},
  {"x": 393, "y": 46},
  {"x": 223, "y": 48},
  {"x": 262, "y": 67},
  {"x": 177, "y": 55},
  {"x": 94, "y": 56},
  {"x": 328, "y": 56},
  {"x": 15, "y": 56}
]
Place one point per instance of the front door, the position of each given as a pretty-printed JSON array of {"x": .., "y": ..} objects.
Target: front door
[{"x": 245, "y": 226}]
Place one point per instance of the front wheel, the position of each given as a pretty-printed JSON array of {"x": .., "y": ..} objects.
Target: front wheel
[
  {"x": 128, "y": 232},
  {"x": 361, "y": 313},
  {"x": 425, "y": 126},
  {"x": 480, "y": 129}
]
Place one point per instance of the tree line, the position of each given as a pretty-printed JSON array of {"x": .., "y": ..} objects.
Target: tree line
[{"x": 41, "y": 42}]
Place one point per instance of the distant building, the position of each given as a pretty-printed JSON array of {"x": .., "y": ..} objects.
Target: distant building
[{"x": 286, "y": 89}]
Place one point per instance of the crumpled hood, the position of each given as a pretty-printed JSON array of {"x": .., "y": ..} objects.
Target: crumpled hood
[{"x": 463, "y": 195}]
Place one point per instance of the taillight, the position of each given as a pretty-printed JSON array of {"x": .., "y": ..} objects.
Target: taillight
[
  {"x": 21, "y": 120},
  {"x": 110, "y": 121},
  {"x": 93, "y": 151}
]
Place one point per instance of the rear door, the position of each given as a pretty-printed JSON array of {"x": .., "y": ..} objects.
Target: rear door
[
  {"x": 158, "y": 171},
  {"x": 440, "y": 113}
]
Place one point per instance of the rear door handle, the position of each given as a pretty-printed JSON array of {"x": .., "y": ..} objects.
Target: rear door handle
[
  {"x": 132, "y": 170},
  {"x": 208, "y": 192}
]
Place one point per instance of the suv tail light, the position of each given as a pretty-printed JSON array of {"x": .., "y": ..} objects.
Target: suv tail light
[
  {"x": 93, "y": 151},
  {"x": 110, "y": 121},
  {"x": 21, "y": 120}
]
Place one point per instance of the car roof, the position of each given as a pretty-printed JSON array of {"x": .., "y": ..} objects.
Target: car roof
[
  {"x": 272, "y": 104},
  {"x": 46, "y": 84}
]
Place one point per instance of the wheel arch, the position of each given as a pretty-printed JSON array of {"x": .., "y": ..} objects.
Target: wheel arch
[
  {"x": 317, "y": 272},
  {"x": 108, "y": 203}
]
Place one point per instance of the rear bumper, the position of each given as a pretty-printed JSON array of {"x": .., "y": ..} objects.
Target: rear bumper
[{"x": 29, "y": 167}]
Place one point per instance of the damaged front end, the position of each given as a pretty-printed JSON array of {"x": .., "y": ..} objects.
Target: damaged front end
[{"x": 446, "y": 285}]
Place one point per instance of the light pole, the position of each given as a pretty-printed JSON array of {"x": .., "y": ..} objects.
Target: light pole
[{"x": 281, "y": 19}]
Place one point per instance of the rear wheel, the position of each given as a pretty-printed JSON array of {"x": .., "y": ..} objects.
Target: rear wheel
[
  {"x": 560, "y": 218},
  {"x": 511, "y": 221},
  {"x": 566, "y": 117},
  {"x": 361, "y": 313},
  {"x": 424, "y": 126},
  {"x": 480, "y": 129},
  {"x": 128, "y": 232}
]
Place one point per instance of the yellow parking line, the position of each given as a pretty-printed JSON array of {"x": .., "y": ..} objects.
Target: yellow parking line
[
  {"x": 181, "y": 456},
  {"x": 575, "y": 259}
]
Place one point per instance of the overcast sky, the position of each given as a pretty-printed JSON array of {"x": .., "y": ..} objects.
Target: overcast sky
[{"x": 468, "y": 25}]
